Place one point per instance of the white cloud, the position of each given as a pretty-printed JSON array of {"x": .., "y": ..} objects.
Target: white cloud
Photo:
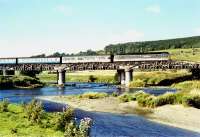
[
  {"x": 66, "y": 11},
  {"x": 154, "y": 9},
  {"x": 197, "y": 31}
]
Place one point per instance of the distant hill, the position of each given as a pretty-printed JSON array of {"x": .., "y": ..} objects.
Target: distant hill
[{"x": 146, "y": 46}]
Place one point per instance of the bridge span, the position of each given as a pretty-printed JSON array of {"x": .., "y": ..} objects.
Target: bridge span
[{"x": 123, "y": 64}]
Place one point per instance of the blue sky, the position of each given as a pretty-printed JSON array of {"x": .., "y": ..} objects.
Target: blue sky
[{"x": 29, "y": 27}]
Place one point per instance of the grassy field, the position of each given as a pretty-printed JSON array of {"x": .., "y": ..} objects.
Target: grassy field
[
  {"x": 105, "y": 76},
  {"x": 14, "y": 121},
  {"x": 185, "y": 54},
  {"x": 154, "y": 78},
  {"x": 140, "y": 78}
]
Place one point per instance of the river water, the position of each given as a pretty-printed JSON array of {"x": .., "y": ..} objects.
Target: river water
[{"x": 105, "y": 124}]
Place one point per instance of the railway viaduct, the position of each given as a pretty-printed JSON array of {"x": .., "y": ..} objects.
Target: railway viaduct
[{"x": 124, "y": 69}]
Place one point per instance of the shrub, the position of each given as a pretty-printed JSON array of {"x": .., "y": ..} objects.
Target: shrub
[
  {"x": 64, "y": 118},
  {"x": 83, "y": 130},
  {"x": 5, "y": 82},
  {"x": 114, "y": 94},
  {"x": 84, "y": 127},
  {"x": 126, "y": 97},
  {"x": 25, "y": 81},
  {"x": 137, "y": 83},
  {"x": 92, "y": 78},
  {"x": 93, "y": 95},
  {"x": 34, "y": 111},
  {"x": 147, "y": 101},
  {"x": 4, "y": 105},
  {"x": 71, "y": 130},
  {"x": 193, "y": 101}
]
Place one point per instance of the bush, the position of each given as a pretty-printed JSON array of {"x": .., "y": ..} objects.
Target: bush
[
  {"x": 83, "y": 130},
  {"x": 126, "y": 97},
  {"x": 5, "y": 82},
  {"x": 34, "y": 111},
  {"x": 137, "y": 83},
  {"x": 147, "y": 101},
  {"x": 167, "y": 98},
  {"x": 71, "y": 130},
  {"x": 193, "y": 101},
  {"x": 25, "y": 81},
  {"x": 92, "y": 78},
  {"x": 4, "y": 105},
  {"x": 84, "y": 127},
  {"x": 93, "y": 95},
  {"x": 114, "y": 94},
  {"x": 64, "y": 118}
]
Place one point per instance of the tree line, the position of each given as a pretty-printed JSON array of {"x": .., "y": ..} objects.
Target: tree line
[
  {"x": 136, "y": 47},
  {"x": 146, "y": 46}
]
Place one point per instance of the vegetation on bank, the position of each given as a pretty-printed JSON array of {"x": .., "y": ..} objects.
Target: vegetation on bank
[
  {"x": 94, "y": 76},
  {"x": 159, "y": 78},
  {"x": 19, "y": 82},
  {"x": 32, "y": 120},
  {"x": 93, "y": 95},
  {"x": 151, "y": 101},
  {"x": 186, "y": 86}
]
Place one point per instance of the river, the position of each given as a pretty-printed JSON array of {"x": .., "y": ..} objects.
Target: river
[{"x": 105, "y": 124}]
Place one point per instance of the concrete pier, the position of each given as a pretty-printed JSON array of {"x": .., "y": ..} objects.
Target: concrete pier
[
  {"x": 128, "y": 76},
  {"x": 125, "y": 75},
  {"x": 61, "y": 77},
  {"x": 4, "y": 71}
]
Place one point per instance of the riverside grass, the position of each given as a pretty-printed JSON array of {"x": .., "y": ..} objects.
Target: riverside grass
[
  {"x": 141, "y": 79},
  {"x": 31, "y": 120},
  {"x": 151, "y": 101},
  {"x": 13, "y": 123}
]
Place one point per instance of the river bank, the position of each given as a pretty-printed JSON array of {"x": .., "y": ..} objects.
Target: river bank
[
  {"x": 173, "y": 115},
  {"x": 19, "y": 82}
]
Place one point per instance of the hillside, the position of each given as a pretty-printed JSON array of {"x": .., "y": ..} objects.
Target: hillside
[
  {"x": 190, "y": 54},
  {"x": 145, "y": 46}
]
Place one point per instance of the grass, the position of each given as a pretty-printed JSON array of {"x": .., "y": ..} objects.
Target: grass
[
  {"x": 185, "y": 54},
  {"x": 137, "y": 83},
  {"x": 14, "y": 121},
  {"x": 188, "y": 86},
  {"x": 100, "y": 76},
  {"x": 93, "y": 95},
  {"x": 32, "y": 121},
  {"x": 154, "y": 78},
  {"x": 151, "y": 101}
]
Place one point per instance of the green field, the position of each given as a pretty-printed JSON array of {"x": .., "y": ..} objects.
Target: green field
[
  {"x": 185, "y": 54},
  {"x": 105, "y": 76},
  {"x": 13, "y": 123}
]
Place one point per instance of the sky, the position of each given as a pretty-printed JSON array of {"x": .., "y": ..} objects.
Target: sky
[{"x": 31, "y": 27}]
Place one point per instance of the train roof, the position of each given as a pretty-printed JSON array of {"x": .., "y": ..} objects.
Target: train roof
[{"x": 144, "y": 53}]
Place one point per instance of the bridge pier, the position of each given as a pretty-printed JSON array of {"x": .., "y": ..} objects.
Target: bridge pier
[
  {"x": 125, "y": 75},
  {"x": 4, "y": 72},
  {"x": 128, "y": 76},
  {"x": 61, "y": 77}
]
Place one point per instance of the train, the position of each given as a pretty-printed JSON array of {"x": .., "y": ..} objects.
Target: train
[{"x": 154, "y": 56}]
